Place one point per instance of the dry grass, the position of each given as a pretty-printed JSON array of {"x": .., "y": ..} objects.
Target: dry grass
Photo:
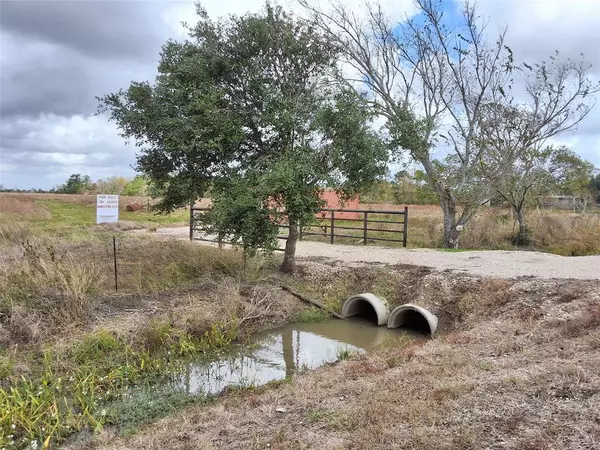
[
  {"x": 24, "y": 203},
  {"x": 53, "y": 290},
  {"x": 560, "y": 232},
  {"x": 508, "y": 379},
  {"x": 21, "y": 206}
]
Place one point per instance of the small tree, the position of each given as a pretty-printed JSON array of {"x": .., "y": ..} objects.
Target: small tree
[
  {"x": 594, "y": 188},
  {"x": 414, "y": 189},
  {"x": 552, "y": 170},
  {"x": 76, "y": 184},
  {"x": 111, "y": 185},
  {"x": 514, "y": 131},
  {"x": 138, "y": 186},
  {"x": 571, "y": 173}
]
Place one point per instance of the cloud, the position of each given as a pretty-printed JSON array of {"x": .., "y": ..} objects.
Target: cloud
[
  {"x": 536, "y": 29},
  {"x": 58, "y": 55},
  {"x": 50, "y": 148},
  {"x": 104, "y": 29}
]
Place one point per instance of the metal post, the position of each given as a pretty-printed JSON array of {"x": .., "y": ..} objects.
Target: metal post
[
  {"x": 192, "y": 221},
  {"x": 332, "y": 225},
  {"x": 115, "y": 260},
  {"x": 365, "y": 229},
  {"x": 300, "y": 226},
  {"x": 405, "y": 226}
]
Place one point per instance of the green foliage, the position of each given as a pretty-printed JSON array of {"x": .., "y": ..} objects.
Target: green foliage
[
  {"x": 570, "y": 173},
  {"x": 76, "y": 184},
  {"x": 594, "y": 188},
  {"x": 414, "y": 189},
  {"x": 312, "y": 315},
  {"x": 111, "y": 185},
  {"x": 344, "y": 354},
  {"x": 73, "y": 389},
  {"x": 240, "y": 213},
  {"x": 96, "y": 348},
  {"x": 138, "y": 186},
  {"x": 7, "y": 364},
  {"x": 144, "y": 405},
  {"x": 381, "y": 191},
  {"x": 247, "y": 108}
]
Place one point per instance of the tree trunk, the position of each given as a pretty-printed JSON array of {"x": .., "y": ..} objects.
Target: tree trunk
[
  {"x": 451, "y": 234},
  {"x": 447, "y": 202},
  {"x": 523, "y": 237},
  {"x": 521, "y": 220},
  {"x": 289, "y": 256}
]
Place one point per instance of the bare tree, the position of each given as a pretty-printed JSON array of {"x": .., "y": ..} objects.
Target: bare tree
[
  {"x": 430, "y": 82},
  {"x": 558, "y": 96}
]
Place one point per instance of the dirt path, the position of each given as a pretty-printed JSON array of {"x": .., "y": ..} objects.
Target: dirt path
[{"x": 492, "y": 263}]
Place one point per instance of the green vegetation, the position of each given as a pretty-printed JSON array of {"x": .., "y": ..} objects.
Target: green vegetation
[
  {"x": 217, "y": 92},
  {"x": 344, "y": 354},
  {"x": 75, "y": 215},
  {"x": 312, "y": 315},
  {"x": 144, "y": 405},
  {"x": 61, "y": 369},
  {"x": 332, "y": 420},
  {"x": 87, "y": 385}
]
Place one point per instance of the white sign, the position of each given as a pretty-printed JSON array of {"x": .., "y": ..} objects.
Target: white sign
[{"x": 107, "y": 208}]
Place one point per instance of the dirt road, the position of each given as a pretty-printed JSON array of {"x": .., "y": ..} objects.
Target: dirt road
[{"x": 492, "y": 263}]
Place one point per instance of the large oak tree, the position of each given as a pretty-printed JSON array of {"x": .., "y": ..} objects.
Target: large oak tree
[{"x": 249, "y": 107}]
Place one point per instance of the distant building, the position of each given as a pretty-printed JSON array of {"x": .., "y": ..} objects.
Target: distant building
[{"x": 334, "y": 202}]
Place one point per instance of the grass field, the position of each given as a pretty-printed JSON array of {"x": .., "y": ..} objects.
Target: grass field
[
  {"x": 515, "y": 361},
  {"x": 55, "y": 212}
]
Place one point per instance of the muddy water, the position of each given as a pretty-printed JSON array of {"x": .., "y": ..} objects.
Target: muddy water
[{"x": 280, "y": 353}]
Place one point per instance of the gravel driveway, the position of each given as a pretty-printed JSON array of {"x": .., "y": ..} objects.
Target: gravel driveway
[{"x": 492, "y": 263}]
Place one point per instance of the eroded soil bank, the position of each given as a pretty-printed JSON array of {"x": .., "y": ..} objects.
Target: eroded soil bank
[{"x": 516, "y": 367}]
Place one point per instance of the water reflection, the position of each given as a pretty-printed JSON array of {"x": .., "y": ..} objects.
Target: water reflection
[{"x": 280, "y": 353}]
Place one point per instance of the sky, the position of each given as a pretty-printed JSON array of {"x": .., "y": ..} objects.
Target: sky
[{"x": 56, "y": 56}]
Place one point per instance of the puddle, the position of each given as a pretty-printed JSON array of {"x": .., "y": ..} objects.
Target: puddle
[{"x": 280, "y": 353}]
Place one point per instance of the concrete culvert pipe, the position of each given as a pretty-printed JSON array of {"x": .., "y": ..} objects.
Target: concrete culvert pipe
[
  {"x": 414, "y": 317},
  {"x": 368, "y": 306}
]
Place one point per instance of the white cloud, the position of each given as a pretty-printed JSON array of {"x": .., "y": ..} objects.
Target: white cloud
[
  {"x": 536, "y": 29},
  {"x": 52, "y": 146},
  {"x": 58, "y": 146}
]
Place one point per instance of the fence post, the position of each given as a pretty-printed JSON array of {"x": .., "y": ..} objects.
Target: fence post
[
  {"x": 365, "y": 229},
  {"x": 332, "y": 225},
  {"x": 300, "y": 226},
  {"x": 192, "y": 221},
  {"x": 115, "y": 261},
  {"x": 405, "y": 226}
]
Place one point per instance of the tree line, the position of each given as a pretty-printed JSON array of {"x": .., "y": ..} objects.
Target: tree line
[
  {"x": 557, "y": 171},
  {"x": 268, "y": 109},
  {"x": 83, "y": 184}
]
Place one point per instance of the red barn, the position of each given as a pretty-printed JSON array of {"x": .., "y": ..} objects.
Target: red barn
[{"x": 334, "y": 202}]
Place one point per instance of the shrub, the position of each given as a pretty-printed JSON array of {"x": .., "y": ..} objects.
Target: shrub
[
  {"x": 95, "y": 348},
  {"x": 312, "y": 315}
]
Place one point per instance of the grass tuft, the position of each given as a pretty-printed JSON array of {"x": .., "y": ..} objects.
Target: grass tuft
[
  {"x": 344, "y": 354},
  {"x": 312, "y": 315}
]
